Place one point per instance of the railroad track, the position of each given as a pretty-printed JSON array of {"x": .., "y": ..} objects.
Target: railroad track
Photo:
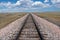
[
  {"x": 30, "y": 27},
  {"x": 29, "y": 30}
]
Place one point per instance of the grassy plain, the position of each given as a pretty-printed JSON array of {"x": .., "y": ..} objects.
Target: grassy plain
[
  {"x": 53, "y": 17},
  {"x": 6, "y": 18}
]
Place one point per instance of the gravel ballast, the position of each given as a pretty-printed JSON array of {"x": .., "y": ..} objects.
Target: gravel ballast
[
  {"x": 48, "y": 30},
  {"x": 10, "y": 31}
]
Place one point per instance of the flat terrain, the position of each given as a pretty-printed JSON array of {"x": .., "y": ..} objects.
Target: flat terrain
[
  {"x": 30, "y": 27},
  {"x": 53, "y": 17},
  {"x": 6, "y": 18}
]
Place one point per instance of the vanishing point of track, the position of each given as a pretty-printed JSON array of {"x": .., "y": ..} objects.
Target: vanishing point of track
[{"x": 29, "y": 30}]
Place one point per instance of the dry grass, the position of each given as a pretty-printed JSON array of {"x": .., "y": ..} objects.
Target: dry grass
[
  {"x": 51, "y": 16},
  {"x": 8, "y": 18}
]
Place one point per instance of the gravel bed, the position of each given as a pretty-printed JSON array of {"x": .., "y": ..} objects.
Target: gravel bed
[
  {"x": 48, "y": 30},
  {"x": 10, "y": 31}
]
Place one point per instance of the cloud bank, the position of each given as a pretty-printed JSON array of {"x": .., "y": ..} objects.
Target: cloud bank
[{"x": 29, "y": 4}]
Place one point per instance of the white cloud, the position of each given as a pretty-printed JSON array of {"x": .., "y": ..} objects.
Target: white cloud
[
  {"x": 17, "y": 3},
  {"x": 24, "y": 3},
  {"x": 46, "y": 1},
  {"x": 57, "y": 5},
  {"x": 9, "y": 4},
  {"x": 55, "y": 1},
  {"x": 37, "y": 3},
  {"x": 40, "y": 4},
  {"x": 6, "y": 4},
  {"x": 28, "y": 4}
]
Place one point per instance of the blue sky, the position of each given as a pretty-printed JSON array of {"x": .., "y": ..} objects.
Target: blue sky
[{"x": 29, "y": 5}]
